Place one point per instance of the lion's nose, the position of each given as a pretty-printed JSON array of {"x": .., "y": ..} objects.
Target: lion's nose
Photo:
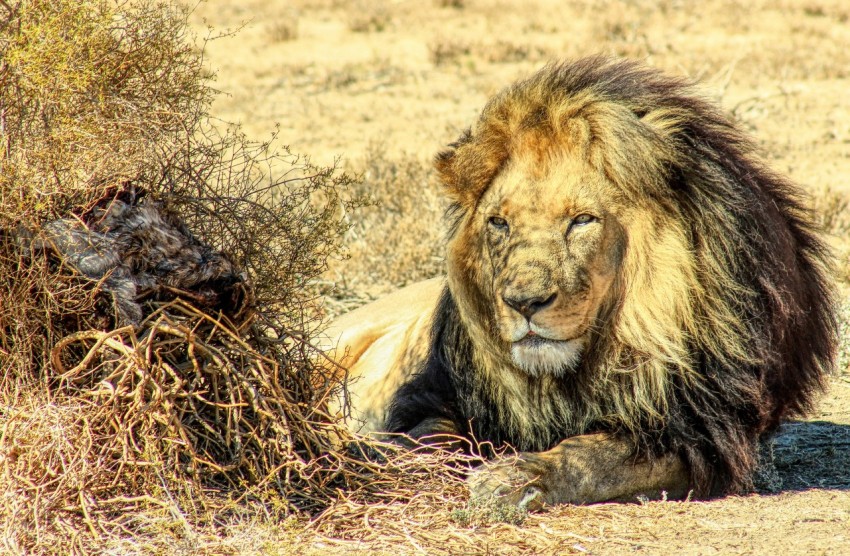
[{"x": 527, "y": 306}]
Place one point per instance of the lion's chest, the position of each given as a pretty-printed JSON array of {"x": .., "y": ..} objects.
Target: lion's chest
[{"x": 526, "y": 413}]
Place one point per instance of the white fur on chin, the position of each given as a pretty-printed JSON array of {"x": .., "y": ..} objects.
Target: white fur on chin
[{"x": 547, "y": 356}]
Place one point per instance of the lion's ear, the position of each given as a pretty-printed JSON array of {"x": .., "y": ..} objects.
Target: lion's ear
[
  {"x": 452, "y": 177},
  {"x": 468, "y": 166}
]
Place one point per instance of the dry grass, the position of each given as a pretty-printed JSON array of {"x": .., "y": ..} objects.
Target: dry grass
[
  {"x": 395, "y": 241},
  {"x": 447, "y": 51},
  {"x": 205, "y": 403},
  {"x": 833, "y": 210},
  {"x": 285, "y": 27},
  {"x": 369, "y": 16}
]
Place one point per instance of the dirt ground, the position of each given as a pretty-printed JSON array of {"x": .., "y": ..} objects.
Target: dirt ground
[{"x": 382, "y": 85}]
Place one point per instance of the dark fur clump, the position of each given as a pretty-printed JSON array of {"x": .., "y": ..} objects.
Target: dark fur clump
[
  {"x": 758, "y": 258},
  {"x": 140, "y": 252}
]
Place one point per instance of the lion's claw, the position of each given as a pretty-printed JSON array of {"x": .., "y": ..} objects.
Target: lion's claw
[{"x": 505, "y": 484}]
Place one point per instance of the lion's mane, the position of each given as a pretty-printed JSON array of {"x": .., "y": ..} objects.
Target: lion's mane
[{"x": 713, "y": 340}]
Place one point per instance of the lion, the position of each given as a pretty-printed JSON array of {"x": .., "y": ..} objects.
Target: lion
[{"x": 632, "y": 298}]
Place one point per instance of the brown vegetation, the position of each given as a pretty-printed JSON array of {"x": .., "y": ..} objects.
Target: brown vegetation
[{"x": 155, "y": 322}]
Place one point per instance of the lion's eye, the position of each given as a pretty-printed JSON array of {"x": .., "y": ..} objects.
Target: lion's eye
[
  {"x": 583, "y": 219},
  {"x": 580, "y": 221},
  {"x": 498, "y": 223}
]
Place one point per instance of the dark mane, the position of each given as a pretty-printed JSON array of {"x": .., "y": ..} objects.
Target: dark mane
[{"x": 445, "y": 388}]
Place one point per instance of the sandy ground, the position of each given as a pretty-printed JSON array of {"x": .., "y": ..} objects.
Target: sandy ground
[{"x": 339, "y": 80}]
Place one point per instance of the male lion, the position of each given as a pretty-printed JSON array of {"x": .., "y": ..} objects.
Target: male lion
[{"x": 632, "y": 298}]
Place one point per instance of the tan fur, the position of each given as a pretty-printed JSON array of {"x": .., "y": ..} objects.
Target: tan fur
[
  {"x": 583, "y": 469},
  {"x": 377, "y": 346}
]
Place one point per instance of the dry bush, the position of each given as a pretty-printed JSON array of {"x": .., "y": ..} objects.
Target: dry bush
[
  {"x": 456, "y": 4},
  {"x": 360, "y": 77},
  {"x": 833, "y": 210},
  {"x": 89, "y": 98},
  {"x": 504, "y": 52},
  {"x": 444, "y": 51},
  {"x": 101, "y": 103},
  {"x": 285, "y": 27},
  {"x": 183, "y": 411},
  {"x": 369, "y": 16}
]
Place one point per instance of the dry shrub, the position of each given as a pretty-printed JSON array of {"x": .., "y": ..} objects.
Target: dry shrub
[
  {"x": 456, "y": 4},
  {"x": 91, "y": 95},
  {"x": 285, "y": 28},
  {"x": 443, "y": 51},
  {"x": 117, "y": 192},
  {"x": 350, "y": 78},
  {"x": 369, "y": 16},
  {"x": 504, "y": 52},
  {"x": 833, "y": 209}
]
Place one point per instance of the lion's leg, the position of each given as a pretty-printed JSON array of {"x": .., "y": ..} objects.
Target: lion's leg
[
  {"x": 433, "y": 427},
  {"x": 583, "y": 469},
  {"x": 436, "y": 432}
]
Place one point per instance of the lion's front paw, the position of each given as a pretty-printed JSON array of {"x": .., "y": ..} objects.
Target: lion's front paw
[{"x": 506, "y": 483}]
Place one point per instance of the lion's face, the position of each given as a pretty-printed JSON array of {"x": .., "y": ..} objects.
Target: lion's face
[{"x": 549, "y": 250}]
